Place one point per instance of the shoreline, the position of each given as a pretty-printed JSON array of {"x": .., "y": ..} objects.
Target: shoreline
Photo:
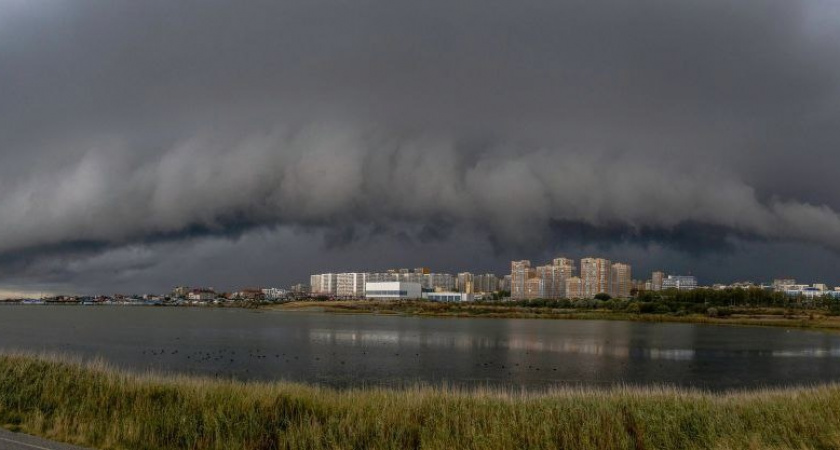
[
  {"x": 804, "y": 319},
  {"x": 94, "y": 405},
  {"x": 760, "y": 317}
]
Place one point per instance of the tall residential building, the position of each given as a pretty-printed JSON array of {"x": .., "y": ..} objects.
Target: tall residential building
[
  {"x": 382, "y": 277},
  {"x": 565, "y": 268},
  {"x": 314, "y": 284},
  {"x": 520, "y": 272},
  {"x": 534, "y": 288},
  {"x": 622, "y": 280},
  {"x": 324, "y": 284},
  {"x": 549, "y": 281},
  {"x": 505, "y": 283},
  {"x": 441, "y": 282},
  {"x": 432, "y": 281},
  {"x": 574, "y": 287},
  {"x": 486, "y": 283},
  {"x": 351, "y": 284},
  {"x": 465, "y": 283},
  {"x": 656, "y": 280},
  {"x": 411, "y": 276},
  {"x": 554, "y": 277},
  {"x": 596, "y": 274}
]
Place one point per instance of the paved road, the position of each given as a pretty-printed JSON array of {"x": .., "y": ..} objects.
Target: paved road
[{"x": 17, "y": 441}]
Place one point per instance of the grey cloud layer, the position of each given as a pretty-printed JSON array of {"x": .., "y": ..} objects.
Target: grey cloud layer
[
  {"x": 333, "y": 175},
  {"x": 146, "y": 121}
]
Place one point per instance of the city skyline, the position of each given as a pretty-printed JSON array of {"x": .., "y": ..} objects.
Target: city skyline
[
  {"x": 560, "y": 278},
  {"x": 644, "y": 275},
  {"x": 254, "y": 143}
]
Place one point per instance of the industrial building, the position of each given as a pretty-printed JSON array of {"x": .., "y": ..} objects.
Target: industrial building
[
  {"x": 448, "y": 296},
  {"x": 393, "y": 290}
]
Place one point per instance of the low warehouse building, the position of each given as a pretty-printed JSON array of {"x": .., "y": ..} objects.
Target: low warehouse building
[
  {"x": 392, "y": 290},
  {"x": 448, "y": 296}
]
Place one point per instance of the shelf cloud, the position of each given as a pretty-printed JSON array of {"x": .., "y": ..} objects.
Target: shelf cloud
[{"x": 147, "y": 128}]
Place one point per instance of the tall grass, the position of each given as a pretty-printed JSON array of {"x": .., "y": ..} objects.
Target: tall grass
[
  {"x": 758, "y": 316},
  {"x": 93, "y": 405}
]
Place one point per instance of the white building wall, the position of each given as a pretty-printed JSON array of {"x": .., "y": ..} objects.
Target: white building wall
[
  {"x": 394, "y": 290},
  {"x": 351, "y": 284},
  {"x": 324, "y": 284}
]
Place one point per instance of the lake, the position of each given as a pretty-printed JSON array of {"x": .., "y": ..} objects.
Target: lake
[{"x": 358, "y": 350}]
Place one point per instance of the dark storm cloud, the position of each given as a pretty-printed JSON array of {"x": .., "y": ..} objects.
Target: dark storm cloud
[{"x": 693, "y": 125}]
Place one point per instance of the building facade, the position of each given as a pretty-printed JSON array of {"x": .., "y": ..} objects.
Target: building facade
[
  {"x": 448, "y": 296},
  {"x": 549, "y": 281},
  {"x": 564, "y": 268},
  {"x": 439, "y": 282},
  {"x": 680, "y": 282},
  {"x": 486, "y": 283},
  {"x": 324, "y": 284},
  {"x": 520, "y": 272},
  {"x": 274, "y": 293},
  {"x": 622, "y": 280},
  {"x": 534, "y": 288},
  {"x": 574, "y": 287},
  {"x": 393, "y": 290},
  {"x": 351, "y": 284},
  {"x": 465, "y": 283},
  {"x": 596, "y": 274},
  {"x": 656, "y": 279}
]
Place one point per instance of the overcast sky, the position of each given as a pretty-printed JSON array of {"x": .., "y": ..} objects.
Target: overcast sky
[{"x": 147, "y": 144}]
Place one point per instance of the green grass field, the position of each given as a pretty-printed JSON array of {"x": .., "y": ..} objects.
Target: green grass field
[{"x": 95, "y": 406}]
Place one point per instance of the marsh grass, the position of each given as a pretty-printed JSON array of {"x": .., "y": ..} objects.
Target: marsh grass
[
  {"x": 763, "y": 317},
  {"x": 92, "y": 404}
]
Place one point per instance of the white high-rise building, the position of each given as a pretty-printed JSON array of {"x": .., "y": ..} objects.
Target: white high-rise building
[
  {"x": 351, "y": 284},
  {"x": 324, "y": 284}
]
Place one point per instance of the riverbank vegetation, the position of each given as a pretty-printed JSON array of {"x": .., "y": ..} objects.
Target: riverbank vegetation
[
  {"x": 95, "y": 406},
  {"x": 721, "y": 307}
]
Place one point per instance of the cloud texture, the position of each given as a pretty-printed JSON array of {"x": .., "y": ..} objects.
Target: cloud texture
[{"x": 695, "y": 127}]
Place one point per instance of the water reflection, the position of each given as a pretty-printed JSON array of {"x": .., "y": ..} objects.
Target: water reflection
[
  {"x": 808, "y": 353},
  {"x": 353, "y": 350},
  {"x": 467, "y": 342}
]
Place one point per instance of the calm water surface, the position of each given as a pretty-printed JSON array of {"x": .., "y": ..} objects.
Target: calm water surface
[{"x": 353, "y": 350}]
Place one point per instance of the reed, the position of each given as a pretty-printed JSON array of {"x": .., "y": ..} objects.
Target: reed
[
  {"x": 93, "y": 405},
  {"x": 744, "y": 316}
]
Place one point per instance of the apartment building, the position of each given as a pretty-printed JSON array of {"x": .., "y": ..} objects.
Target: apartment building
[
  {"x": 351, "y": 284},
  {"x": 324, "y": 283},
  {"x": 596, "y": 274},
  {"x": 574, "y": 287},
  {"x": 622, "y": 280},
  {"x": 520, "y": 272}
]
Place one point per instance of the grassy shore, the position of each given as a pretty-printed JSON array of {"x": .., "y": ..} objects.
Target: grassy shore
[
  {"x": 95, "y": 406},
  {"x": 774, "y": 317}
]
